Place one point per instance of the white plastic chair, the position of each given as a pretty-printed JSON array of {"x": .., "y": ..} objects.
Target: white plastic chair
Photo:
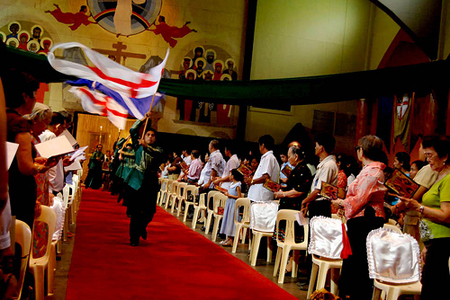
[
  {"x": 242, "y": 222},
  {"x": 190, "y": 190},
  {"x": 210, "y": 209},
  {"x": 219, "y": 201},
  {"x": 284, "y": 247},
  {"x": 393, "y": 227},
  {"x": 181, "y": 196},
  {"x": 201, "y": 206},
  {"x": 328, "y": 259},
  {"x": 38, "y": 265},
  {"x": 168, "y": 193},
  {"x": 394, "y": 282},
  {"x": 23, "y": 238},
  {"x": 164, "y": 182},
  {"x": 173, "y": 196}
]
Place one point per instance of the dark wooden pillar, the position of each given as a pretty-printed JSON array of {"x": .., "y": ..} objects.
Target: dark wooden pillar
[{"x": 362, "y": 119}]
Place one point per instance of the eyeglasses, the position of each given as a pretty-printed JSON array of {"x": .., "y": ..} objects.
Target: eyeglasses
[{"x": 429, "y": 155}]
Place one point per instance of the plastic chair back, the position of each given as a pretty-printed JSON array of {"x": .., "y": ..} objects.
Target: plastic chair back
[
  {"x": 23, "y": 238},
  {"x": 245, "y": 217},
  {"x": 288, "y": 215}
]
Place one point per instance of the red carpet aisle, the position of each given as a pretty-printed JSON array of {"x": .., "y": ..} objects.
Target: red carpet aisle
[{"x": 174, "y": 263}]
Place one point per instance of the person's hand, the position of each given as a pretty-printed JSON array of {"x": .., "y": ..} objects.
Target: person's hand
[
  {"x": 40, "y": 160},
  {"x": 37, "y": 209},
  {"x": 423, "y": 255},
  {"x": 51, "y": 162},
  {"x": 304, "y": 209},
  {"x": 335, "y": 203},
  {"x": 51, "y": 199},
  {"x": 216, "y": 181},
  {"x": 67, "y": 161},
  {"x": 278, "y": 194},
  {"x": 410, "y": 203},
  {"x": 148, "y": 114}
]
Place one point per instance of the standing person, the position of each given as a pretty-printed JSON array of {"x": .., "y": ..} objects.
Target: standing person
[
  {"x": 216, "y": 163},
  {"x": 268, "y": 168},
  {"x": 425, "y": 177},
  {"x": 195, "y": 168},
  {"x": 56, "y": 174},
  {"x": 143, "y": 182},
  {"x": 232, "y": 163},
  {"x": 94, "y": 176},
  {"x": 364, "y": 211},
  {"x": 401, "y": 162},
  {"x": 234, "y": 192},
  {"x": 327, "y": 171},
  {"x": 284, "y": 163},
  {"x": 435, "y": 212},
  {"x": 20, "y": 91}
]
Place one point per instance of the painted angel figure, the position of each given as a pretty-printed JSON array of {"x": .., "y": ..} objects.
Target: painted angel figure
[
  {"x": 170, "y": 33},
  {"x": 76, "y": 19}
]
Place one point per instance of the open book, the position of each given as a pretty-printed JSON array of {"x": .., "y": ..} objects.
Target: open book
[
  {"x": 70, "y": 137},
  {"x": 329, "y": 191},
  {"x": 11, "y": 149},
  {"x": 271, "y": 185},
  {"x": 286, "y": 170},
  {"x": 244, "y": 170},
  {"x": 54, "y": 147},
  {"x": 401, "y": 184},
  {"x": 220, "y": 189}
]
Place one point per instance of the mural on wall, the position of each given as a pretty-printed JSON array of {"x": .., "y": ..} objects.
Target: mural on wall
[
  {"x": 26, "y": 36},
  {"x": 213, "y": 63},
  {"x": 170, "y": 33},
  {"x": 75, "y": 19},
  {"x": 125, "y": 17}
]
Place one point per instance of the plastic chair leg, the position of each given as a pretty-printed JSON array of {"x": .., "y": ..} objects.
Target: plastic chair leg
[
  {"x": 208, "y": 222},
  {"x": 158, "y": 198},
  {"x": 39, "y": 281},
  {"x": 244, "y": 235},
  {"x": 322, "y": 277},
  {"x": 334, "y": 281},
  {"x": 269, "y": 254},
  {"x": 195, "y": 218},
  {"x": 51, "y": 268},
  {"x": 174, "y": 203},
  {"x": 283, "y": 263},
  {"x": 376, "y": 293},
  {"x": 312, "y": 279},
  {"x": 255, "y": 249},
  {"x": 236, "y": 237},
  {"x": 180, "y": 205},
  {"x": 216, "y": 227},
  {"x": 277, "y": 262},
  {"x": 186, "y": 210}
]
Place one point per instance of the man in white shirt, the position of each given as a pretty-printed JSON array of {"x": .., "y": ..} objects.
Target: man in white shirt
[
  {"x": 186, "y": 157},
  {"x": 232, "y": 163},
  {"x": 327, "y": 171},
  {"x": 216, "y": 163},
  {"x": 268, "y": 168},
  {"x": 55, "y": 174}
]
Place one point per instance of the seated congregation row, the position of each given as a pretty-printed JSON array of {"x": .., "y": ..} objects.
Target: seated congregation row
[
  {"x": 362, "y": 198},
  {"x": 33, "y": 181}
]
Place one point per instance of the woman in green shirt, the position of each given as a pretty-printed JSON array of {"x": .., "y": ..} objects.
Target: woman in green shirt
[{"x": 435, "y": 224}]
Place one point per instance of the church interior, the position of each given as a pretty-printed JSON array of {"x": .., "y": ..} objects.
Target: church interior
[{"x": 235, "y": 71}]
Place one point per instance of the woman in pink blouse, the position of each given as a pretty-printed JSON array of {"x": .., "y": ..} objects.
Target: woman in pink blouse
[{"x": 364, "y": 212}]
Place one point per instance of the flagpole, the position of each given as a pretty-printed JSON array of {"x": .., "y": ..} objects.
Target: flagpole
[{"x": 146, "y": 120}]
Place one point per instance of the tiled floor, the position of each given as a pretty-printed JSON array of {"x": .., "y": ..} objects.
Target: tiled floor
[{"x": 262, "y": 267}]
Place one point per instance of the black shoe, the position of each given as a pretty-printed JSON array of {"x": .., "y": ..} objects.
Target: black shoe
[
  {"x": 203, "y": 228},
  {"x": 144, "y": 234}
]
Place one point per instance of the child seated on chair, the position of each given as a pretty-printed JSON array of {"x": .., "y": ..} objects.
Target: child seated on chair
[{"x": 234, "y": 192}]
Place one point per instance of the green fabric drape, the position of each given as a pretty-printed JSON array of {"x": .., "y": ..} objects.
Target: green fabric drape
[{"x": 270, "y": 93}]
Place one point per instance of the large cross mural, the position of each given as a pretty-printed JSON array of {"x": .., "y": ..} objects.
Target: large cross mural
[{"x": 118, "y": 54}]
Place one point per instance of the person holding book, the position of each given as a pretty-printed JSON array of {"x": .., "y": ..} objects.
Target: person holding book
[
  {"x": 228, "y": 226},
  {"x": 232, "y": 163},
  {"x": 268, "y": 169},
  {"x": 364, "y": 211},
  {"x": 435, "y": 214},
  {"x": 297, "y": 186},
  {"x": 327, "y": 171},
  {"x": 20, "y": 91}
]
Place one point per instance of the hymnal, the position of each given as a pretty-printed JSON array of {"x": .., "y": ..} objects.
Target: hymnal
[
  {"x": 286, "y": 170},
  {"x": 329, "y": 191},
  {"x": 220, "y": 189},
  {"x": 11, "y": 149},
  {"x": 401, "y": 184},
  {"x": 54, "y": 147},
  {"x": 271, "y": 185},
  {"x": 70, "y": 137},
  {"x": 244, "y": 170}
]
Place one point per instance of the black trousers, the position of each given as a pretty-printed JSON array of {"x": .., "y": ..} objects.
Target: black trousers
[
  {"x": 141, "y": 207},
  {"x": 355, "y": 281},
  {"x": 435, "y": 273}
]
